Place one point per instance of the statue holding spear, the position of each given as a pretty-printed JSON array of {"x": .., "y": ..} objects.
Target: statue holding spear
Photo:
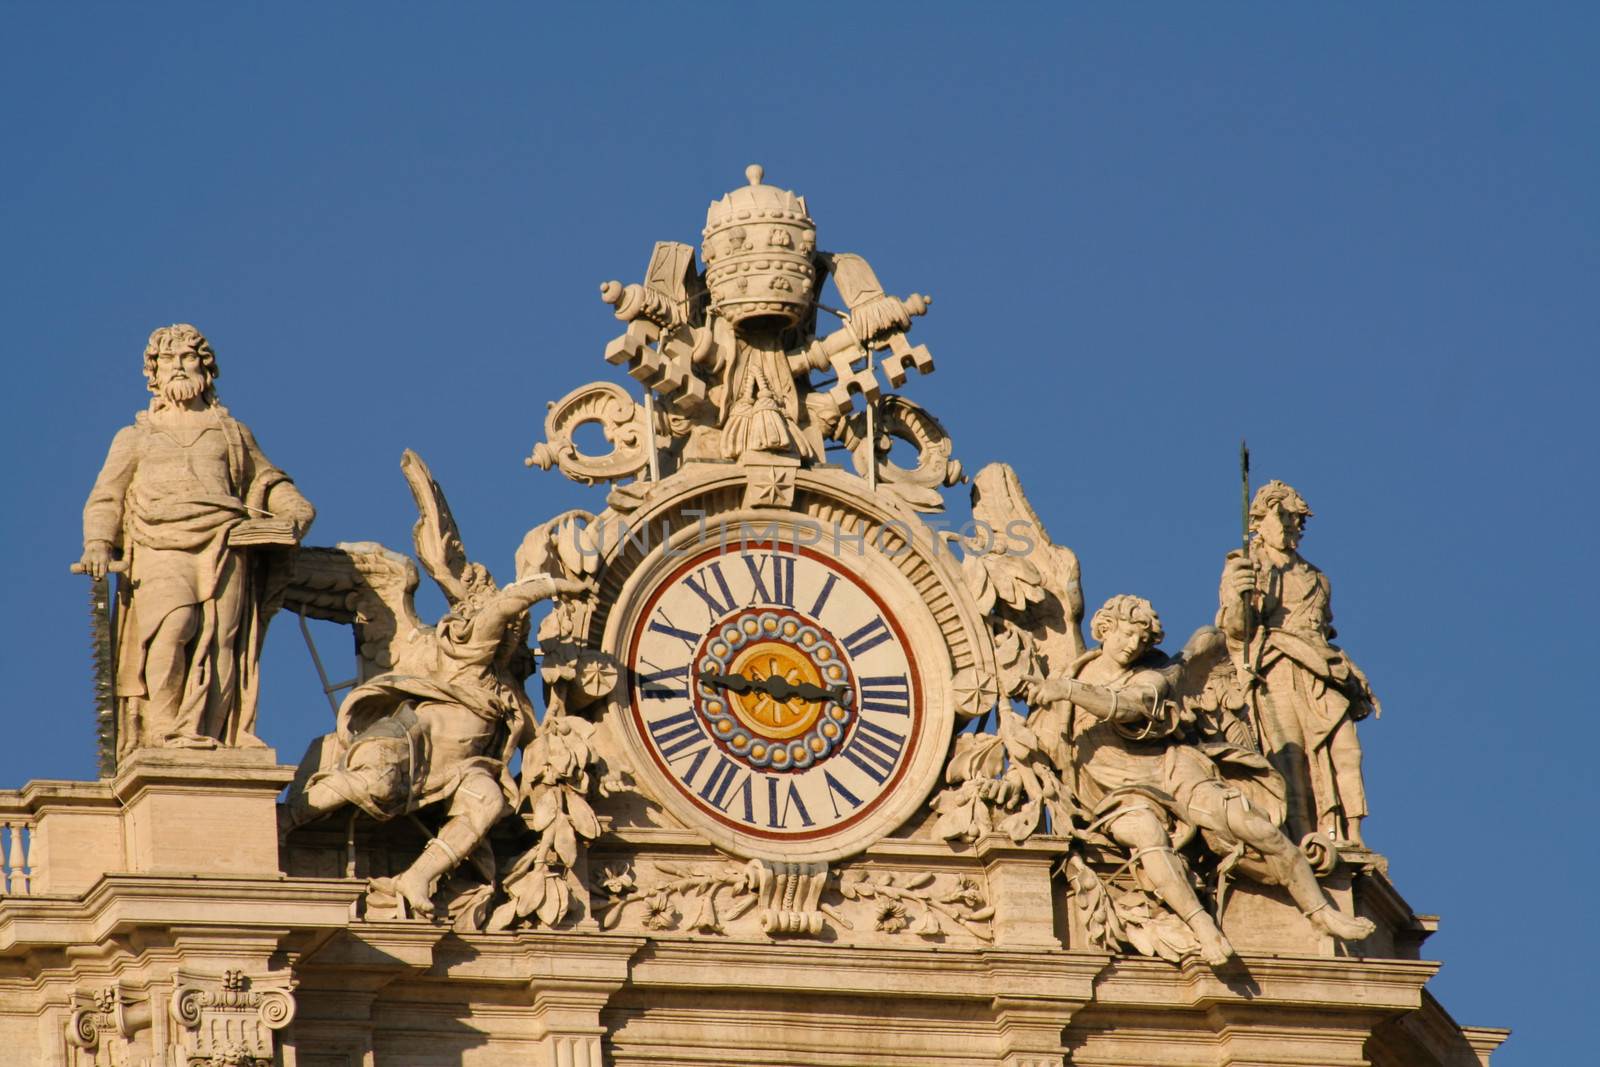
[{"x": 1305, "y": 694}]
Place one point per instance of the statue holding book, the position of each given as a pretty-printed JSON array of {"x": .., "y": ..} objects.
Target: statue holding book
[{"x": 201, "y": 526}]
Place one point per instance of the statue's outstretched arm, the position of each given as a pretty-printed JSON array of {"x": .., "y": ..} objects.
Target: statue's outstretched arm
[
  {"x": 1134, "y": 703},
  {"x": 518, "y": 597}
]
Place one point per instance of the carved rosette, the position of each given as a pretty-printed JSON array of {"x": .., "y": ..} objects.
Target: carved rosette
[{"x": 228, "y": 1021}]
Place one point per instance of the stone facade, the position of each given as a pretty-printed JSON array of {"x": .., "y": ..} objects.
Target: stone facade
[{"x": 812, "y": 781}]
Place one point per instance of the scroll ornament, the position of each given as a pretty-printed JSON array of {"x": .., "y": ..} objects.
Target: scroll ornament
[
  {"x": 899, "y": 418},
  {"x": 228, "y": 1021},
  {"x": 106, "y": 1023},
  {"x": 620, "y": 419}
]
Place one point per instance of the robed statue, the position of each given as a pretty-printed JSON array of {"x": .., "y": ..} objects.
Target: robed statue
[{"x": 202, "y": 528}]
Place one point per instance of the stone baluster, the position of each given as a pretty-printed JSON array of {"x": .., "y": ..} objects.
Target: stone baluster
[{"x": 18, "y": 874}]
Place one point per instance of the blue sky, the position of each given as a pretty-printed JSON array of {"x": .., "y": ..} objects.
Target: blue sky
[{"x": 1366, "y": 238}]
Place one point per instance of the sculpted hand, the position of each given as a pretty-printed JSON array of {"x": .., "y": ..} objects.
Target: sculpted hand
[
  {"x": 1238, "y": 575},
  {"x": 573, "y": 586},
  {"x": 96, "y": 559},
  {"x": 1037, "y": 691},
  {"x": 550, "y": 586}
]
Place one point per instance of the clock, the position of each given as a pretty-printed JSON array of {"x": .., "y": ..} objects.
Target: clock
[{"x": 787, "y": 693}]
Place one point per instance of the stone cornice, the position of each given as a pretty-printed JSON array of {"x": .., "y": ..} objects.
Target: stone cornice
[
  {"x": 122, "y": 902},
  {"x": 1327, "y": 983}
]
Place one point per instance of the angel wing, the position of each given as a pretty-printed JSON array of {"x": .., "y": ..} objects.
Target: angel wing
[
  {"x": 367, "y": 586},
  {"x": 436, "y": 536},
  {"x": 1205, "y": 685},
  {"x": 1024, "y": 581}
]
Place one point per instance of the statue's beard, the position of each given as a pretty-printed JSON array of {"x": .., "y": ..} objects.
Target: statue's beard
[{"x": 179, "y": 391}]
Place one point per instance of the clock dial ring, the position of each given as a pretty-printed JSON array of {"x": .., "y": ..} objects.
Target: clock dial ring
[
  {"x": 897, "y": 555},
  {"x": 789, "y": 818}
]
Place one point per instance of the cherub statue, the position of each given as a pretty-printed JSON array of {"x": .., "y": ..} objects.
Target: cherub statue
[
  {"x": 735, "y": 347},
  {"x": 205, "y": 526},
  {"x": 1115, "y": 724},
  {"x": 1307, "y": 695},
  {"x": 439, "y": 710}
]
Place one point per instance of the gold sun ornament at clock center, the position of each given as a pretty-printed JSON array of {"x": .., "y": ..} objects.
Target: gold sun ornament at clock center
[{"x": 762, "y": 713}]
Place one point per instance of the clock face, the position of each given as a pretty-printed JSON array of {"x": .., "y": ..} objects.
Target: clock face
[{"x": 775, "y": 693}]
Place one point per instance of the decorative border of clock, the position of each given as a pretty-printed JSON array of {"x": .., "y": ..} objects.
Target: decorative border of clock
[{"x": 788, "y": 699}]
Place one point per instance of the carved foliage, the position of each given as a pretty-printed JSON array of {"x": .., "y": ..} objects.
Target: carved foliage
[
  {"x": 556, "y": 777},
  {"x": 560, "y": 766},
  {"x": 794, "y": 899},
  {"x": 789, "y": 896},
  {"x": 709, "y": 894},
  {"x": 1003, "y": 781},
  {"x": 1119, "y": 914},
  {"x": 920, "y": 903}
]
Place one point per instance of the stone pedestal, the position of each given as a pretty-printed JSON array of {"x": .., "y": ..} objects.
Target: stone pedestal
[
  {"x": 188, "y": 812},
  {"x": 1024, "y": 913}
]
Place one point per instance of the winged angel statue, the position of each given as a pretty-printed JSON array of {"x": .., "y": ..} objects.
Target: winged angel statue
[
  {"x": 438, "y": 712},
  {"x": 1143, "y": 761}
]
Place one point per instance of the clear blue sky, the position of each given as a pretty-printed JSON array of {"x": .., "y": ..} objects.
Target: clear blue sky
[{"x": 1363, "y": 236}]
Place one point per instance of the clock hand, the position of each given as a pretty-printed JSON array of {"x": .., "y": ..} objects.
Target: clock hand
[
  {"x": 782, "y": 690},
  {"x": 734, "y": 683},
  {"x": 778, "y": 689}
]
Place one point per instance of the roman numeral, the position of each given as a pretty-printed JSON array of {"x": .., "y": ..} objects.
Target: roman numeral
[
  {"x": 686, "y": 636},
  {"x": 875, "y": 749},
  {"x": 782, "y": 568},
  {"x": 867, "y": 638},
  {"x": 835, "y": 791},
  {"x": 703, "y": 589},
  {"x": 677, "y": 732},
  {"x": 652, "y": 686},
  {"x": 778, "y": 815},
  {"x": 822, "y": 597},
  {"x": 720, "y": 783},
  {"x": 889, "y": 694}
]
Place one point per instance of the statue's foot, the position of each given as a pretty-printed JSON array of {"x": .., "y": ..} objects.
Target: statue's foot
[
  {"x": 1352, "y": 834},
  {"x": 189, "y": 741},
  {"x": 1338, "y": 925},
  {"x": 1215, "y": 949},
  {"x": 250, "y": 740},
  {"x": 414, "y": 889}
]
